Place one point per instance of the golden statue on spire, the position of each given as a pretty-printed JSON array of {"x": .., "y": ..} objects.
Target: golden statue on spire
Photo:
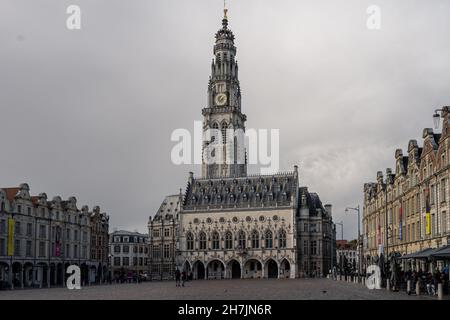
[{"x": 225, "y": 10}]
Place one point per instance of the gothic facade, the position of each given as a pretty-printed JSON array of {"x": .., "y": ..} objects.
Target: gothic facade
[
  {"x": 228, "y": 224},
  {"x": 407, "y": 210},
  {"x": 163, "y": 238}
]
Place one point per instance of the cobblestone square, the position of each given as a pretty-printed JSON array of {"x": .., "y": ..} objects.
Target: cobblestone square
[{"x": 248, "y": 289}]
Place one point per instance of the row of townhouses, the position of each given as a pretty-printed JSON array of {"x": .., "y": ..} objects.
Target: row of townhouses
[
  {"x": 40, "y": 238},
  {"x": 408, "y": 209}
]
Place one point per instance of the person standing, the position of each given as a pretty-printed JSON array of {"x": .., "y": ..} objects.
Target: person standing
[
  {"x": 183, "y": 278},
  {"x": 177, "y": 278}
]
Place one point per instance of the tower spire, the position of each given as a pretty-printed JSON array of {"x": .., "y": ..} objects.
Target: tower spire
[{"x": 225, "y": 14}]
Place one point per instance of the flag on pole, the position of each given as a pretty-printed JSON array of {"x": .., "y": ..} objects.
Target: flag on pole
[
  {"x": 400, "y": 222},
  {"x": 10, "y": 251},
  {"x": 57, "y": 252},
  {"x": 378, "y": 231},
  {"x": 427, "y": 212}
]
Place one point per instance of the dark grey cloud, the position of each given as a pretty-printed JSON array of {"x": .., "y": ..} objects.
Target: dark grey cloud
[{"x": 89, "y": 113}]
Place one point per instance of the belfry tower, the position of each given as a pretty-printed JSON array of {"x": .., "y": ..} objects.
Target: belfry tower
[{"x": 223, "y": 113}]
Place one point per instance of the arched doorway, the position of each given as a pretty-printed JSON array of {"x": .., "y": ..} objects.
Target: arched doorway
[
  {"x": 42, "y": 277},
  {"x": 285, "y": 269},
  {"x": 215, "y": 270},
  {"x": 253, "y": 269},
  {"x": 4, "y": 278},
  {"x": 272, "y": 269},
  {"x": 199, "y": 270},
  {"x": 235, "y": 269},
  {"x": 17, "y": 274},
  {"x": 28, "y": 274}
]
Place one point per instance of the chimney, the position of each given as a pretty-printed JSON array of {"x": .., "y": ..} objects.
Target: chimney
[{"x": 328, "y": 208}]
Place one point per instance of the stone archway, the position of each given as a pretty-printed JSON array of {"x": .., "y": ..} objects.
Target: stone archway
[
  {"x": 17, "y": 272},
  {"x": 41, "y": 274},
  {"x": 234, "y": 268},
  {"x": 215, "y": 269},
  {"x": 4, "y": 277},
  {"x": 285, "y": 269},
  {"x": 199, "y": 270},
  {"x": 28, "y": 274},
  {"x": 253, "y": 269},
  {"x": 271, "y": 269}
]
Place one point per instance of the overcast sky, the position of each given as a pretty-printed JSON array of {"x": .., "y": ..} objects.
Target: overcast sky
[{"x": 90, "y": 112}]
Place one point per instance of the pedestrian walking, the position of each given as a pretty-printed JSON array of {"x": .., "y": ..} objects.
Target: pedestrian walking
[
  {"x": 177, "y": 278},
  {"x": 183, "y": 278}
]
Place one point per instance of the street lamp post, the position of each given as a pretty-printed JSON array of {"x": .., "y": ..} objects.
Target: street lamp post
[
  {"x": 78, "y": 240},
  {"x": 11, "y": 272},
  {"x": 359, "y": 236},
  {"x": 437, "y": 116},
  {"x": 110, "y": 258}
]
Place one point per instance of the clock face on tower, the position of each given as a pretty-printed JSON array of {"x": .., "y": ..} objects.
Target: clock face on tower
[{"x": 221, "y": 99}]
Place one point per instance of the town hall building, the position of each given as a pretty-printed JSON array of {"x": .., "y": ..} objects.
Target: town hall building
[{"x": 228, "y": 224}]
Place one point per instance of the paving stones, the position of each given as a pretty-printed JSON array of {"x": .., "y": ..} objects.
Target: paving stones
[{"x": 247, "y": 289}]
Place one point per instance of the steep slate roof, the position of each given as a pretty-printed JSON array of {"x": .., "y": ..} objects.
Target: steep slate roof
[
  {"x": 11, "y": 193},
  {"x": 313, "y": 201},
  {"x": 250, "y": 192},
  {"x": 128, "y": 233},
  {"x": 169, "y": 207}
]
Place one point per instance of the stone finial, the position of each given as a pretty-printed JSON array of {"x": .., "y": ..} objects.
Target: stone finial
[
  {"x": 43, "y": 196},
  {"x": 73, "y": 200},
  {"x": 427, "y": 132},
  {"x": 24, "y": 186}
]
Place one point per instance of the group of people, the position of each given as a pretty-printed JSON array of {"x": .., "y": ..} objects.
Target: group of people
[
  {"x": 128, "y": 277},
  {"x": 428, "y": 281},
  {"x": 180, "y": 278}
]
